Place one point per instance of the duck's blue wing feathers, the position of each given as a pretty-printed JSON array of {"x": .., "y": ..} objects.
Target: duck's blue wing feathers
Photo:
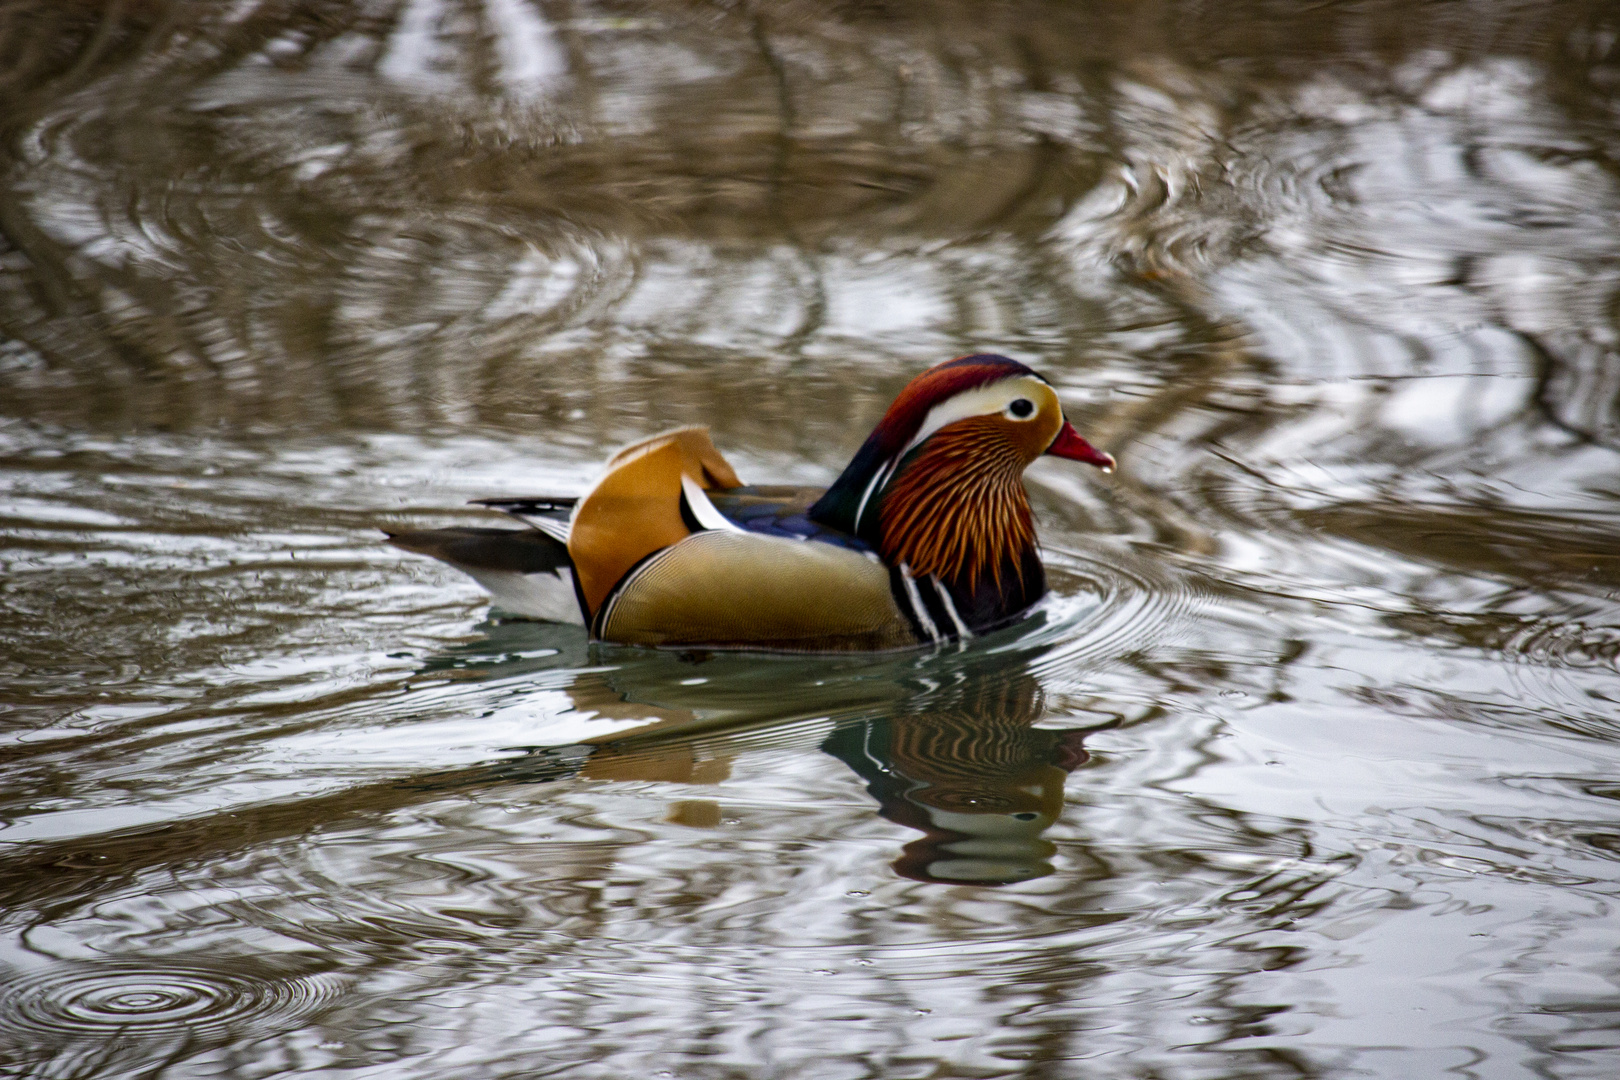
[{"x": 780, "y": 510}]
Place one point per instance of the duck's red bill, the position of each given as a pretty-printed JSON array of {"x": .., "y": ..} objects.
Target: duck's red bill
[{"x": 1069, "y": 444}]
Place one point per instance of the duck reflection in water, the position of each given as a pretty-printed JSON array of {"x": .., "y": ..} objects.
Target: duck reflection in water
[
  {"x": 947, "y": 746},
  {"x": 973, "y": 775}
]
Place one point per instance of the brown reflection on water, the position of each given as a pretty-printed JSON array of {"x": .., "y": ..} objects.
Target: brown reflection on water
[{"x": 972, "y": 774}]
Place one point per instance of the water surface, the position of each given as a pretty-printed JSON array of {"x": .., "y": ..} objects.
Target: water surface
[{"x": 1308, "y": 768}]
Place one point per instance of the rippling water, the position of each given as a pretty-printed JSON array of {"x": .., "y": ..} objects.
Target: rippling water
[{"x": 1309, "y": 768}]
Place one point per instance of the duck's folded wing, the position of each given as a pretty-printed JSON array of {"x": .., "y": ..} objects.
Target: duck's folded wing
[
  {"x": 727, "y": 589},
  {"x": 526, "y": 571}
]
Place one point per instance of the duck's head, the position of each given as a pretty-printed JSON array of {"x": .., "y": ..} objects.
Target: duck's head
[{"x": 937, "y": 482}]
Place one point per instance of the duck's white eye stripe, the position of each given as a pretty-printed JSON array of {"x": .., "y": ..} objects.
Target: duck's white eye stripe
[{"x": 990, "y": 400}]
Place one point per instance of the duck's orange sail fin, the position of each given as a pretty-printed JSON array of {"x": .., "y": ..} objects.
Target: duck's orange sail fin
[
  {"x": 635, "y": 508},
  {"x": 699, "y": 459}
]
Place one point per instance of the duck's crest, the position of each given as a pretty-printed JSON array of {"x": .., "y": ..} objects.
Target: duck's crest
[{"x": 850, "y": 504}]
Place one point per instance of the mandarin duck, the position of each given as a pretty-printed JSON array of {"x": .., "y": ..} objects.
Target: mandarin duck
[{"x": 926, "y": 536}]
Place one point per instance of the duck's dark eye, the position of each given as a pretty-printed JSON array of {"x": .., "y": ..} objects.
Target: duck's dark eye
[
  {"x": 1021, "y": 407},
  {"x": 1026, "y": 816}
]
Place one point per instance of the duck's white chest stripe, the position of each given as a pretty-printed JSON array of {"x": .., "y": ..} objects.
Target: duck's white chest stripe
[
  {"x": 919, "y": 610},
  {"x": 940, "y": 608},
  {"x": 949, "y": 605}
]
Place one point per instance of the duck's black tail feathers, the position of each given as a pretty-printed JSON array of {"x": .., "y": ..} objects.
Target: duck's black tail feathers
[
  {"x": 519, "y": 551},
  {"x": 527, "y": 571}
]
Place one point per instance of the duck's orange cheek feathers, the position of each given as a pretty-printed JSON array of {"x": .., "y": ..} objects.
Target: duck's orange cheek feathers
[
  {"x": 999, "y": 441},
  {"x": 1031, "y": 437}
]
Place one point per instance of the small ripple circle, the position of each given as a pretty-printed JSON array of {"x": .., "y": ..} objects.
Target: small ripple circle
[{"x": 88, "y": 999}]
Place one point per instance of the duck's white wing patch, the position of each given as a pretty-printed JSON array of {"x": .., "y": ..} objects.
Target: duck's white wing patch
[{"x": 702, "y": 509}]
